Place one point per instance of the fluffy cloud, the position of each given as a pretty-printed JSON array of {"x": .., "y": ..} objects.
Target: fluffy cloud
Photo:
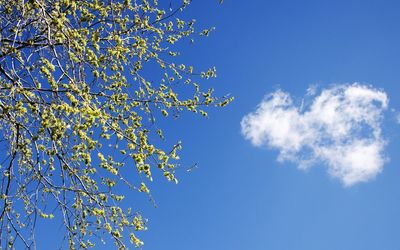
[{"x": 340, "y": 128}]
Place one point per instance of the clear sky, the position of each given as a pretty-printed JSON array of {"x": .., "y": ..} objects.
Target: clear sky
[{"x": 240, "y": 196}]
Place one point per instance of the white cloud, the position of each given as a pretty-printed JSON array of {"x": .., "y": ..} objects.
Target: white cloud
[{"x": 340, "y": 128}]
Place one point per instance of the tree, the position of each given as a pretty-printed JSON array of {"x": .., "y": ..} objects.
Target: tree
[{"x": 76, "y": 76}]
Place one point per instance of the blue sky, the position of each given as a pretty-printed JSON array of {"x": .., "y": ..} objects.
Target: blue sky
[{"x": 240, "y": 197}]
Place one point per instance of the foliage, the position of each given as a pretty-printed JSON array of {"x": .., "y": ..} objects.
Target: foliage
[{"x": 75, "y": 77}]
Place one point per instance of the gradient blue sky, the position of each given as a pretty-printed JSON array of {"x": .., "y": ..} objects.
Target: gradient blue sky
[{"x": 240, "y": 197}]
